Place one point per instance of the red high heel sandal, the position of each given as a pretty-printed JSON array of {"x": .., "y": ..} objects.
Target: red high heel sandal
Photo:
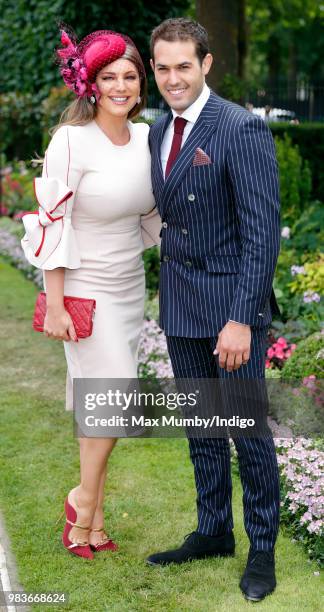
[
  {"x": 104, "y": 544},
  {"x": 82, "y": 549}
]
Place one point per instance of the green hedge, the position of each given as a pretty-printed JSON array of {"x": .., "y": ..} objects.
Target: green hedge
[
  {"x": 25, "y": 124},
  {"x": 300, "y": 405},
  {"x": 295, "y": 179},
  {"x": 310, "y": 139},
  {"x": 20, "y": 126},
  {"x": 30, "y": 34},
  {"x": 307, "y": 359}
]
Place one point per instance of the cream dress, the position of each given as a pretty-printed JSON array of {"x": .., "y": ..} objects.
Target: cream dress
[{"x": 92, "y": 197}]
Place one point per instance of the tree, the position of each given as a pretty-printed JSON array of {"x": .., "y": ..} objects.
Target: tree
[
  {"x": 226, "y": 25},
  {"x": 285, "y": 39}
]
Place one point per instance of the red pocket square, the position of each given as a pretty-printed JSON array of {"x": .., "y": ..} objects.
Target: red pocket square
[{"x": 201, "y": 158}]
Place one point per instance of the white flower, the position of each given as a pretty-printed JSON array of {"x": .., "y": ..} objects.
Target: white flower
[
  {"x": 285, "y": 232},
  {"x": 297, "y": 270}
]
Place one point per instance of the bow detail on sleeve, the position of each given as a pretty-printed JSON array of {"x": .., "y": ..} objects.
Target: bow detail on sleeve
[{"x": 48, "y": 230}]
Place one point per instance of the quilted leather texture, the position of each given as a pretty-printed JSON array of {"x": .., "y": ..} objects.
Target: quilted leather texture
[{"x": 81, "y": 310}]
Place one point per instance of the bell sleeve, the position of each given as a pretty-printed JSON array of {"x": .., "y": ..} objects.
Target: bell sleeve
[{"x": 50, "y": 241}]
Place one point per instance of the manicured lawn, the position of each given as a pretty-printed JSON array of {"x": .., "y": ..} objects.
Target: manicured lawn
[{"x": 150, "y": 501}]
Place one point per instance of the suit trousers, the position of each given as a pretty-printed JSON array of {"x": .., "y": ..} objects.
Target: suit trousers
[{"x": 193, "y": 358}]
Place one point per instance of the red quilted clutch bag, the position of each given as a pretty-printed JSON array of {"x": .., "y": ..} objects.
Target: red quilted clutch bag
[{"x": 81, "y": 310}]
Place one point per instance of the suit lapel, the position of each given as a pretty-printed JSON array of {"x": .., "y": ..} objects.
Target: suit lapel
[
  {"x": 205, "y": 125},
  {"x": 156, "y": 161}
]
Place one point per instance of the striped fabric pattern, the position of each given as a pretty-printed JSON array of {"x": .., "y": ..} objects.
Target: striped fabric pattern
[
  {"x": 220, "y": 233},
  {"x": 193, "y": 358},
  {"x": 220, "y": 243}
]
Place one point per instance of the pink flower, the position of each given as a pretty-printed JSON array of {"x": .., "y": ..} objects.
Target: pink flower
[
  {"x": 270, "y": 352},
  {"x": 66, "y": 73},
  {"x": 65, "y": 40},
  {"x": 80, "y": 87},
  {"x": 282, "y": 342},
  {"x": 83, "y": 73},
  {"x": 306, "y": 517},
  {"x": 297, "y": 270},
  {"x": 311, "y": 296}
]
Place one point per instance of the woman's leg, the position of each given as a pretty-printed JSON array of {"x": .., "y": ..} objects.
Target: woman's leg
[
  {"x": 98, "y": 517},
  {"x": 94, "y": 453}
]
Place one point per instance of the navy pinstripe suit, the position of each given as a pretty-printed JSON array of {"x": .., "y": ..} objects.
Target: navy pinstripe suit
[{"x": 220, "y": 243}]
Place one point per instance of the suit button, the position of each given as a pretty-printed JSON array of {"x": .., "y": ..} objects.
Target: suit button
[
  {"x": 164, "y": 224},
  {"x": 191, "y": 197},
  {"x": 261, "y": 314},
  {"x": 166, "y": 258},
  {"x": 184, "y": 231},
  {"x": 188, "y": 263}
]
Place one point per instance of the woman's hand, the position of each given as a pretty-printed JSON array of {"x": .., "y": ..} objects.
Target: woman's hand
[{"x": 59, "y": 325}]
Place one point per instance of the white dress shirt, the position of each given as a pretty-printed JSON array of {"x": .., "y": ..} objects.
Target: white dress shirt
[{"x": 191, "y": 114}]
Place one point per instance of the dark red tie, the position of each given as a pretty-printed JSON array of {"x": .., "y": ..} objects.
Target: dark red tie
[{"x": 179, "y": 126}]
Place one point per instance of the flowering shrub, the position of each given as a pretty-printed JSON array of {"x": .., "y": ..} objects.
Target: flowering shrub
[
  {"x": 17, "y": 193},
  {"x": 302, "y": 480},
  {"x": 299, "y": 274},
  {"x": 298, "y": 287},
  {"x": 52, "y": 108},
  {"x": 308, "y": 279},
  {"x": 4, "y": 211},
  {"x": 314, "y": 390},
  {"x": 298, "y": 405},
  {"x": 153, "y": 356},
  {"x": 278, "y": 353},
  {"x": 307, "y": 359},
  {"x": 11, "y": 249}
]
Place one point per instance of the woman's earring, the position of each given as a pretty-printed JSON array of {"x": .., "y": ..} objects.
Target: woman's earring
[
  {"x": 138, "y": 101},
  {"x": 92, "y": 99}
]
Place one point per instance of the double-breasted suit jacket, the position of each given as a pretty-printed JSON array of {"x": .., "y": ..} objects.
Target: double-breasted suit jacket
[{"x": 220, "y": 222}]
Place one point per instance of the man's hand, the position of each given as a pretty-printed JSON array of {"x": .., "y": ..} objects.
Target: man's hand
[{"x": 233, "y": 345}]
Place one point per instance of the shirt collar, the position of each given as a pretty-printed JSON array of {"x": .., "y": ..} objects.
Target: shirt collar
[{"x": 192, "y": 113}]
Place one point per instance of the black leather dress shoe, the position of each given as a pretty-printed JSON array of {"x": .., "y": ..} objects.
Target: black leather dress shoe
[
  {"x": 259, "y": 578},
  {"x": 196, "y": 546}
]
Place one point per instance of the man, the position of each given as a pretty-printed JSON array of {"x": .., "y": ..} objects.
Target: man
[{"x": 215, "y": 182}]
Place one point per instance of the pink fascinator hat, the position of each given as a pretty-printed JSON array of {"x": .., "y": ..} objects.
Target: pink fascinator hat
[{"x": 80, "y": 62}]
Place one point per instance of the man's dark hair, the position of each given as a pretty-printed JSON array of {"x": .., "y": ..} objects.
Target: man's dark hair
[{"x": 181, "y": 29}]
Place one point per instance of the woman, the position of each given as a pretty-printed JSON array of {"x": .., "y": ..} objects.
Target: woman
[{"x": 97, "y": 167}]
